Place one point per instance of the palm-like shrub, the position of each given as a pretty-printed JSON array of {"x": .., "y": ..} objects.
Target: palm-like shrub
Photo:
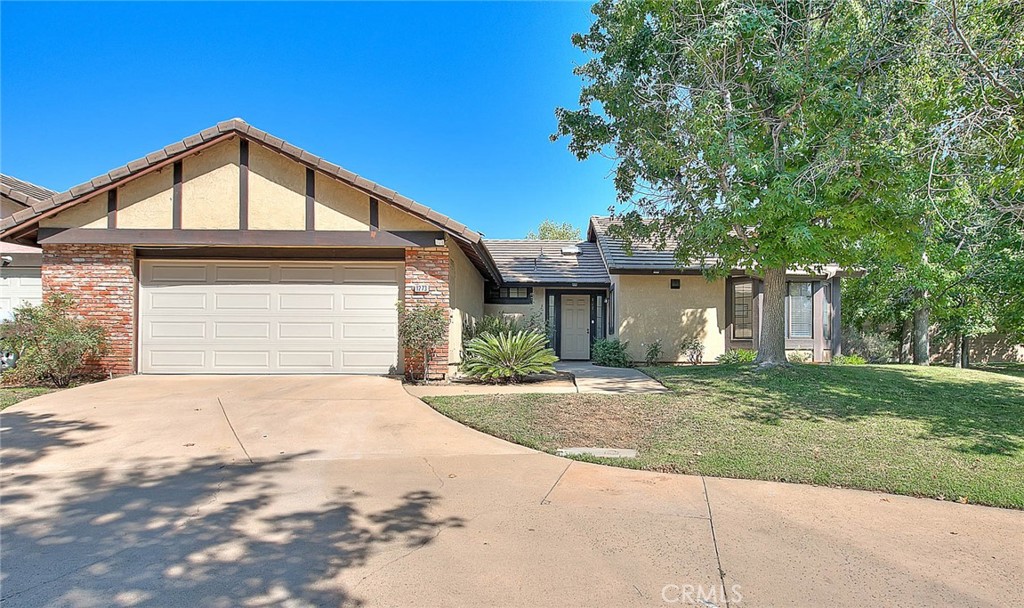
[{"x": 508, "y": 356}]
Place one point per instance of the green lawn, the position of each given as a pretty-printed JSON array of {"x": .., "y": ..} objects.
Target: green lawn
[
  {"x": 11, "y": 395},
  {"x": 937, "y": 432}
]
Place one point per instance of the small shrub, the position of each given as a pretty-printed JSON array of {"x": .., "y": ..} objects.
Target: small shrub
[
  {"x": 506, "y": 324},
  {"x": 51, "y": 344},
  {"x": 875, "y": 347},
  {"x": 422, "y": 330},
  {"x": 653, "y": 354},
  {"x": 848, "y": 360},
  {"x": 740, "y": 355},
  {"x": 610, "y": 353},
  {"x": 693, "y": 348},
  {"x": 798, "y": 356},
  {"x": 508, "y": 356}
]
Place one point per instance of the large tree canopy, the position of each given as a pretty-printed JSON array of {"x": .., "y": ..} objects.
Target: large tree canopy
[
  {"x": 549, "y": 230},
  {"x": 748, "y": 129}
]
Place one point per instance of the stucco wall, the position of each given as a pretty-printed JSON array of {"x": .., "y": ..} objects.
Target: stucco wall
[
  {"x": 146, "y": 202},
  {"x": 340, "y": 207},
  {"x": 396, "y": 219},
  {"x": 521, "y": 312},
  {"x": 277, "y": 191},
  {"x": 647, "y": 309},
  {"x": 209, "y": 188},
  {"x": 466, "y": 291},
  {"x": 90, "y": 214}
]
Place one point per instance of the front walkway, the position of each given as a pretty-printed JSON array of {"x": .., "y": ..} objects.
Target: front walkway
[
  {"x": 592, "y": 378},
  {"x": 346, "y": 491}
]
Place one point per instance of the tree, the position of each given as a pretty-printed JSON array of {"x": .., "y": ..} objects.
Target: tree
[
  {"x": 745, "y": 131},
  {"x": 552, "y": 231},
  {"x": 422, "y": 330}
]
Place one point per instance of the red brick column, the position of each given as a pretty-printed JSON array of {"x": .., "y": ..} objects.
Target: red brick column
[
  {"x": 427, "y": 267},
  {"x": 102, "y": 280}
]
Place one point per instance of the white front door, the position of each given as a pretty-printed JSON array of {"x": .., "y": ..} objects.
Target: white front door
[
  {"x": 268, "y": 317},
  {"x": 575, "y": 327}
]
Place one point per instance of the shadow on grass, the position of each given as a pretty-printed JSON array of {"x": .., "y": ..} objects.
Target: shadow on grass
[
  {"x": 152, "y": 532},
  {"x": 984, "y": 412}
]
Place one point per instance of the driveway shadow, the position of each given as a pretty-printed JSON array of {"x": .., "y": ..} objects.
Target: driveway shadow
[{"x": 152, "y": 532}]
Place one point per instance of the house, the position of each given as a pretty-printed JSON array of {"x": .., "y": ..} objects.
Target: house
[
  {"x": 233, "y": 251},
  {"x": 20, "y": 281},
  {"x": 600, "y": 288}
]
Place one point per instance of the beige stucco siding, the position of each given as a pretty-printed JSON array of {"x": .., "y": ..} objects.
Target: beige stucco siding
[
  {"x": 340, "y": 207},
  {"x": 396, "y": 219},
  {"x": 147, "y": 201},
  {"x": 647, "y": 310},
  {"x": 89, "y": 214},
  {"x": 209, "y": 188},
  {"x": 466, "y": 296},
  {"x": 277, "y": 191},
  {"x": 521, "y": 312}
]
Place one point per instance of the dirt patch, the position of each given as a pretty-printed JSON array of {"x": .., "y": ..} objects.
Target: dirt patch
[{"x": 600, "y": 421}]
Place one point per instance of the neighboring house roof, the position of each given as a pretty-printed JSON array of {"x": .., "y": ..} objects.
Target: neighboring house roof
[
  {"x": 15, "y": 185},
  {"x": 26, "y": 220},
  {"x": 543, "y": 262},
  {"x": 642, "y": 256}
]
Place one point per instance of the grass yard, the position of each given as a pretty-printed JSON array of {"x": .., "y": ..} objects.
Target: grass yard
[
  {"x": 937, "y": 432},
  {"x": 11, "y": 395}
]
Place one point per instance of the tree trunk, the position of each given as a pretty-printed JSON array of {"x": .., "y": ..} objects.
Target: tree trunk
[
  {"x": 958, "y": 345},
  {"x": 771, "y": 350},
  {"x": 921, "y": 346},
  {"x": 906, "y": 337},
  {"x": 965, "y": 352}
]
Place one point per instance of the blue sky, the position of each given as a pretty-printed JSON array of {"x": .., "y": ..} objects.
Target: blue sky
[{"x": 450, "y": 104}]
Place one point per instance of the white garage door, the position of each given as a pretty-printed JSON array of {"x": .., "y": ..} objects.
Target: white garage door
[
  {"x": 18, "y": 287},
  {"x": 268, "y": 317}
]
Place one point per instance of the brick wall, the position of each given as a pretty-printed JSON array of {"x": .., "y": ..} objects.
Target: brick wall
[
  {"x": 102, "y": 280},
  {"x": 430, "y": 267}
]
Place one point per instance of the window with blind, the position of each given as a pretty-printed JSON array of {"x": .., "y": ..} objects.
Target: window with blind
[
  {"x": 800, "y": 310},
  {"x": 743, "y": 310},
  {"x": 826, "y": 312}
]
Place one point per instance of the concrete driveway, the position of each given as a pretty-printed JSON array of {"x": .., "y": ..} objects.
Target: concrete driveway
[{"x": 328, "y": 491}]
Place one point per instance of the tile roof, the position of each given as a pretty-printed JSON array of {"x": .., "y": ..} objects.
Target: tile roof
[
  {"x": 644, "y": 255},
  {"x": 222, "y": 130},
  {"x": 535, "y": 261},
  {"x": 30, "y": 190}
]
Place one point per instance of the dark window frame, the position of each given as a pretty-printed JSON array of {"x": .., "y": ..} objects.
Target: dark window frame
[
  {"x": 494, "y": 294},
  {"x": 733, "y": 318}
]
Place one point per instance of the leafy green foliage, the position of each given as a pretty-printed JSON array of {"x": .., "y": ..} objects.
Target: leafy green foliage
[
  {"x": 422, "y": 329},
  {"x": 497, "y": 324},
  {"x": 737, "y": 356},
  {"x": 52, "y": 343},
  {"x": 610, "y": 352},
  {"x": 550, "y": 230},
  {"x": 745, "y": 131},
  {"x": 848, "y": 360},
  {"x": 693, "y": 349},
  {"x": 653, "y": 353},
  {"x": 875, "y": 347},
  {"x": 508, "y": 356}
]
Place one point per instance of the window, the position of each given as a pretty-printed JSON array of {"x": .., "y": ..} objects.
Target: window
[
  {"x": 552, "y": 320},
  {"x": 508, "y": 295},
  {"x": 673, "y": 284},
  {"x": 799, "y": 310},
  {"x": 599, "y": 321},
  {"x": 611, "y": 312},
  {"x": 743, "y": 310},
  {"x": 826, "y": 311}
]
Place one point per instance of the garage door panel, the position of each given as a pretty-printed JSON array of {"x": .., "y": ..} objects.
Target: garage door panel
[
  {"x": 289, "y": 317},
  {"x": 256, "y": 330},
  {"x": 169, "y": 301}
]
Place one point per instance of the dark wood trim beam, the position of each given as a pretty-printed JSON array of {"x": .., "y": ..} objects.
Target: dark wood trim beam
[
  {"x": 355, "y": 254},
  {"x": 243, "y": 184},
  {"x": 310, "y": 199},
  {"x": 374, "y": 214},
  {"x": 239, "y": 238},
  {"x": 176, "y": 197},
  {"x": 112, "y": 208}
]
